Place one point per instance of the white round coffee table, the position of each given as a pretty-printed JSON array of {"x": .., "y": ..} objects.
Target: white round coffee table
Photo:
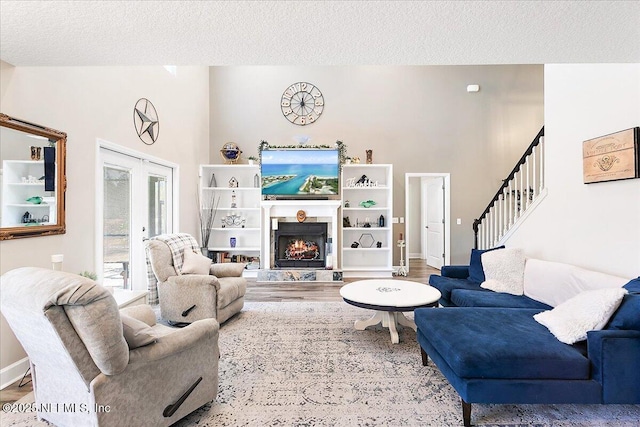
[{"x": 389, "y": 298}]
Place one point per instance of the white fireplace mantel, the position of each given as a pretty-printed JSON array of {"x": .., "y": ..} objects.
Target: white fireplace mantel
[{"x": 289, "y": 208}]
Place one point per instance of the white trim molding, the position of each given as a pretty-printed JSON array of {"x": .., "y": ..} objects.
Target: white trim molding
[{"x": 13, "y": 372}]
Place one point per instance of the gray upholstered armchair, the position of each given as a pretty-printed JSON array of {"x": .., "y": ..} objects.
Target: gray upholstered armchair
[
  {"x": 83, "y": 368},
  {"x": 215, "y": 292}
]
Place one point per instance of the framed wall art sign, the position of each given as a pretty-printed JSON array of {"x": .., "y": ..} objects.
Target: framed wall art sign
[{"x": 611, "y": 157}]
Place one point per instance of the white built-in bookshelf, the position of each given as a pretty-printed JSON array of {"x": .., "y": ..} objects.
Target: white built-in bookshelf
[
  {"x": 367, "y": 259},
  {"x": 236, "y": 189}
]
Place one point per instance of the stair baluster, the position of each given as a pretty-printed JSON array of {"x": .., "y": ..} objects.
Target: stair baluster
[{"x": 516, "y": 194}]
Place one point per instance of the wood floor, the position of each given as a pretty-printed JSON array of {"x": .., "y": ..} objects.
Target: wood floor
[{"x": 268, "y": 292}]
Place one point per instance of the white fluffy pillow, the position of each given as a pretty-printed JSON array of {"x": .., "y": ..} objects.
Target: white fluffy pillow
[
  {"x": 587, "y": 311},
  {"x": 504, "y": 271},
  {"x": 195, "y": 263}
]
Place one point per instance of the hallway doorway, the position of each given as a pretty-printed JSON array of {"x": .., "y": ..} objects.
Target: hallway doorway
[{"x": 427, "y": 218}]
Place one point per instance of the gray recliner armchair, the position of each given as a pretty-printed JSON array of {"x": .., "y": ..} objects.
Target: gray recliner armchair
[
  {"x": 185, "y": 298},
  {"x": 72, "y": 331}
]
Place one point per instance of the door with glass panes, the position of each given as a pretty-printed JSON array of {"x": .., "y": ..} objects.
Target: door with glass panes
[{"x": 137, "y": 203}]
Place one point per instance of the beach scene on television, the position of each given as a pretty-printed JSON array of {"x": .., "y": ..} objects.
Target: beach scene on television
[{"x": 299, "y": 172}]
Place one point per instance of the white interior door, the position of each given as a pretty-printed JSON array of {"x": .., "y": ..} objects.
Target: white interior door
[
  {"x": 434, "y": 221},
  {"x": 135, "y": 203},
  {"x": 416, "y": 201}
]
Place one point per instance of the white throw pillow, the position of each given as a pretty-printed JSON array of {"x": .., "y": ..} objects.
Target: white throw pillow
[
  {"x": 195, "y": 263},
  {"x": 587, "y": 311},
  {"x": 504, "y": 271}
]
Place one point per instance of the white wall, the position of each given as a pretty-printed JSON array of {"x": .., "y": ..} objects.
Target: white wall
[
  {"x": 97, "y": 102},
  {"x": 419, "y": 118},
  {"x": 596, "y": 226}
]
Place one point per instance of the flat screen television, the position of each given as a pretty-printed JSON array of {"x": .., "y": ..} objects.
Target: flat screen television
[{"x": 300, "y": 172}]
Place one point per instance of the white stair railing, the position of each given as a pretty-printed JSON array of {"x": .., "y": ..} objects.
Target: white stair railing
[{"x": 519, "y": 191}]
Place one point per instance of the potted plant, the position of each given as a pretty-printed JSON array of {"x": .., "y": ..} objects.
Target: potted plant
[
  {"x": 89, "y": 274},
  {"x": 252, "y": 160}
]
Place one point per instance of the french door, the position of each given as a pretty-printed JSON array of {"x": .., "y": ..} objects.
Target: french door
[{"x": 135, "y": 202}]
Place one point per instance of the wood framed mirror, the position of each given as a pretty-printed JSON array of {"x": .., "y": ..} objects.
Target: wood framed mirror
[{"x": 33, "y": 179}]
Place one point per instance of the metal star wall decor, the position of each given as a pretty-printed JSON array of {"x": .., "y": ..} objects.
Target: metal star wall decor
[{"x": 145, "y": 120}]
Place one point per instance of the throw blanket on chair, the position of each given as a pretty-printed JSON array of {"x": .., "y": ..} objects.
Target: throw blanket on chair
[{"x": 177, "y": 244}]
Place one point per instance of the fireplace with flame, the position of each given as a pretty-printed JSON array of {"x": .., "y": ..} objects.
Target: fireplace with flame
[{"x": 300, "y": 245}]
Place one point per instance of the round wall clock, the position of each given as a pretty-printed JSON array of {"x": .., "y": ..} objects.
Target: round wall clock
[
  {"x": 302, "y": 103},
  {"x": 145, "y": 120}
]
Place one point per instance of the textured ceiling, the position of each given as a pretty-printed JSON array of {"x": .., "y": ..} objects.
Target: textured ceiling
[{"x": 317, "y": 32}]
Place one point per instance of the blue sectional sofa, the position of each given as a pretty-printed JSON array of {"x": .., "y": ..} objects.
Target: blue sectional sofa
[
  {"x": 491, "y": 349},
  {"x": 458, "y": 290}
]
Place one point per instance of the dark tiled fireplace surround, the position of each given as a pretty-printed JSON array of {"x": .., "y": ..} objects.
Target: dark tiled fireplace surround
[{"x": 305, "y": 243}]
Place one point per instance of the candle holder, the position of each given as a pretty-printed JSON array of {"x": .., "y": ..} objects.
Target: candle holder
[{"x": 402, "y": 270}]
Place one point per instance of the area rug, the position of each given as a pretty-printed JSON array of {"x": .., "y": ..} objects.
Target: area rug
[{"x": 303, "y": 364}]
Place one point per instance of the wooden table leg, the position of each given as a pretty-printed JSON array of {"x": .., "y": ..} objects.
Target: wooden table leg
[
  {"x": 391, "y": 320},
  {"x": 404, "y": 321},
  {"x": 360, "y": 325}
]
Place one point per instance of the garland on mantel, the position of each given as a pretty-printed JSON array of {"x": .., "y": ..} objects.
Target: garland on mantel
[{"x": 339, "y": 145}]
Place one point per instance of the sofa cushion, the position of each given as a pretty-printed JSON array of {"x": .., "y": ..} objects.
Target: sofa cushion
[
  {"x": 554, "y": 283},
  {"x": 476, "y": 273},
  {"x": 588, "y": 311},
  {"x": 473, "y": 298},
  {"x": 195, "y": 263},
  {"x": 504, "y": 271},
  {"x": 455, "y": 271},
  {"x": 628, "y": 314},
  {"x": 633, "y": 286},
  {"x": 231, "y": 289},
  {"x": 446, "y": 284},
  {"x": 504, "y": 343},
  {"x": 161, "y": 259}
]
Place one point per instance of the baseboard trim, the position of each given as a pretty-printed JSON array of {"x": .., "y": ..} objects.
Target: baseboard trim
[{"x": 13, "y": 372}]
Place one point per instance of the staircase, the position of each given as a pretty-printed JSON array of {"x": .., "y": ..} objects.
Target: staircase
[{"x": 519, "y": 194}]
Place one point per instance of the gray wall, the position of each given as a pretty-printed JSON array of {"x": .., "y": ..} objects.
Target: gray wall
[
  {"x": 97, "y": 102},
  {"x": 419, "y": 118}
]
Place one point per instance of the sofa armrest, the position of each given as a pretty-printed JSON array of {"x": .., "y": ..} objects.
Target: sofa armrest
[
  {"x": 176, "y": 342},
  {"x": 227, "y": 269},
  {"x": 455, "y": 271},
  {"x": 195, "y": 280},
  {"x": 615, "y": 356},
  {"x": 143, "y": 313},
  {"x": 161, "y": 373}
]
